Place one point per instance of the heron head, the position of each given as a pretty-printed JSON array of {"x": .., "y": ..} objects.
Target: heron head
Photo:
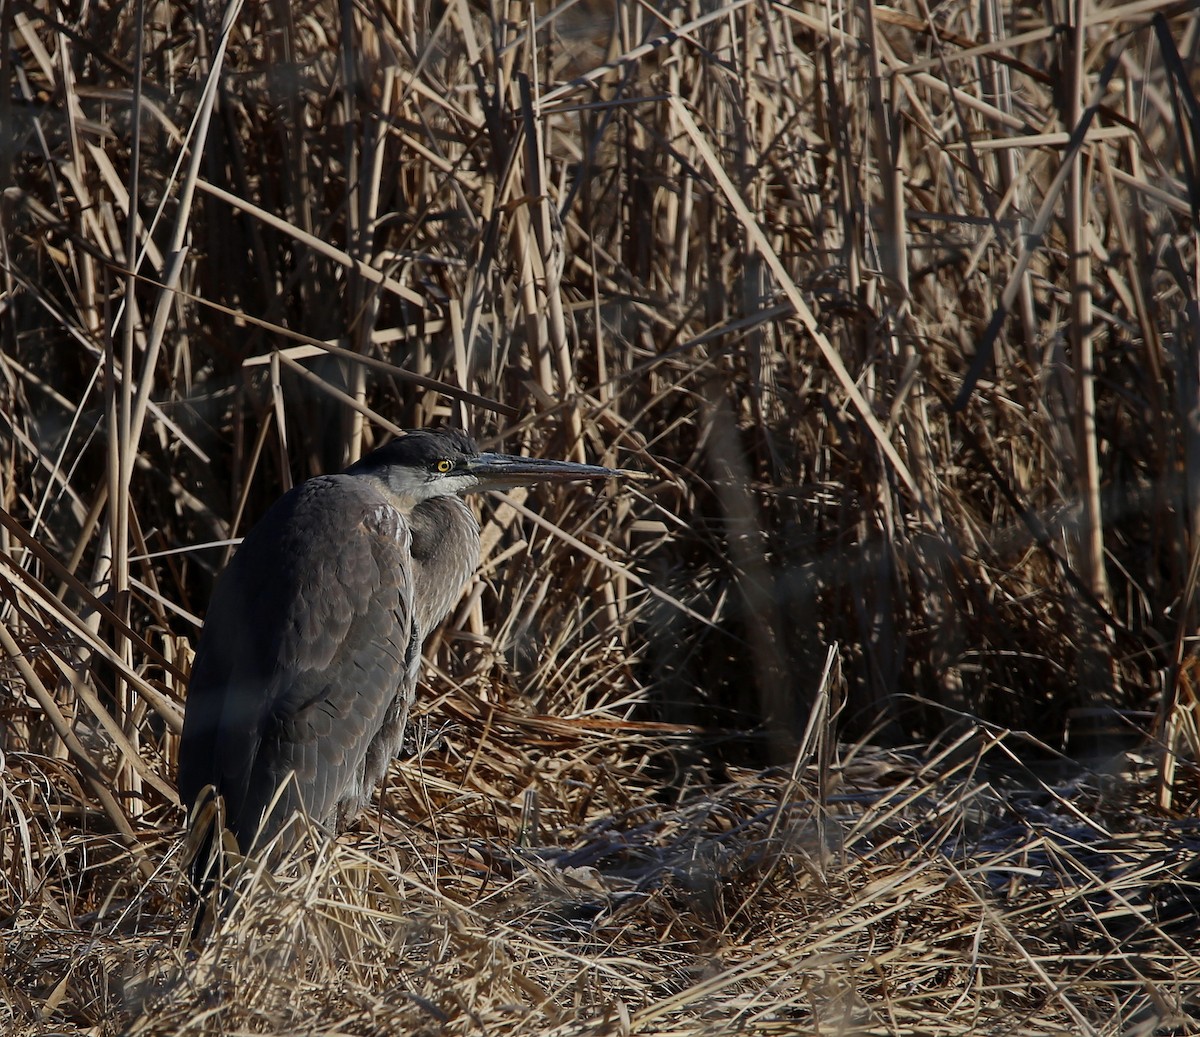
[{"x": 427, "y": 463}]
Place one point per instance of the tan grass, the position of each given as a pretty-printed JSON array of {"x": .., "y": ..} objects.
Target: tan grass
[{"x": 899, "y": 308}]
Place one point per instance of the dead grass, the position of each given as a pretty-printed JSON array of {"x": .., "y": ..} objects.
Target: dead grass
[
  {"x": 898, "y": 305},
  {"x": 918, "y": 898}
]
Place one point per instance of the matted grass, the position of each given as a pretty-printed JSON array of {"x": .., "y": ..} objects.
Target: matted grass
[
  {"x": 904, "y": 898},
  {"x": 897, "y": 305}
]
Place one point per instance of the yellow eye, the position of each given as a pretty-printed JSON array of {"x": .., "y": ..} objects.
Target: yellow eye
[{"x": 444, "y": 466}]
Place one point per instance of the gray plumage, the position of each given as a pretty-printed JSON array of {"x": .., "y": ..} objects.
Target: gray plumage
[{"x": 308, "y": 661}]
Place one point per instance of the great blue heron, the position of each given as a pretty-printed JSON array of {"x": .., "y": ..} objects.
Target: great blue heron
[{"x": 308, "y": 660}]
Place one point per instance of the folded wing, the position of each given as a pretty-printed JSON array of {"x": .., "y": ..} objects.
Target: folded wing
[{"x": 308, "y": 659}]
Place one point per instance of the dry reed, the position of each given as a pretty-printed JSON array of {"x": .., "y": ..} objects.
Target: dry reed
[{"x": 900, "y": 307}]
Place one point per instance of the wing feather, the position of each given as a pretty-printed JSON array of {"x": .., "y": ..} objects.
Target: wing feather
[{"x": 306, "y": 655}]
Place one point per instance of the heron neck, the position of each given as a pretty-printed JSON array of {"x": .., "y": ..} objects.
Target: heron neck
[{"x": 445, "y": 552}]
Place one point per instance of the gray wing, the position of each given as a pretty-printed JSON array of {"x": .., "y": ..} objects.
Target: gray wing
[{"x": 308, "y": 650}]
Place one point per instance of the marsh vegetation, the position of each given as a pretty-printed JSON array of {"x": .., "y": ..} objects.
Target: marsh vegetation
[{"x": 874, "y": 711}]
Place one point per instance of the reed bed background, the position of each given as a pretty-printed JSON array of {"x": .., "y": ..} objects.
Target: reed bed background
[{"x": 873, "y": 712}]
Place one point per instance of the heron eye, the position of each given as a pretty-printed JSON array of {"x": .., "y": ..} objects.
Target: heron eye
[{"x": 444, "y": 466}]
